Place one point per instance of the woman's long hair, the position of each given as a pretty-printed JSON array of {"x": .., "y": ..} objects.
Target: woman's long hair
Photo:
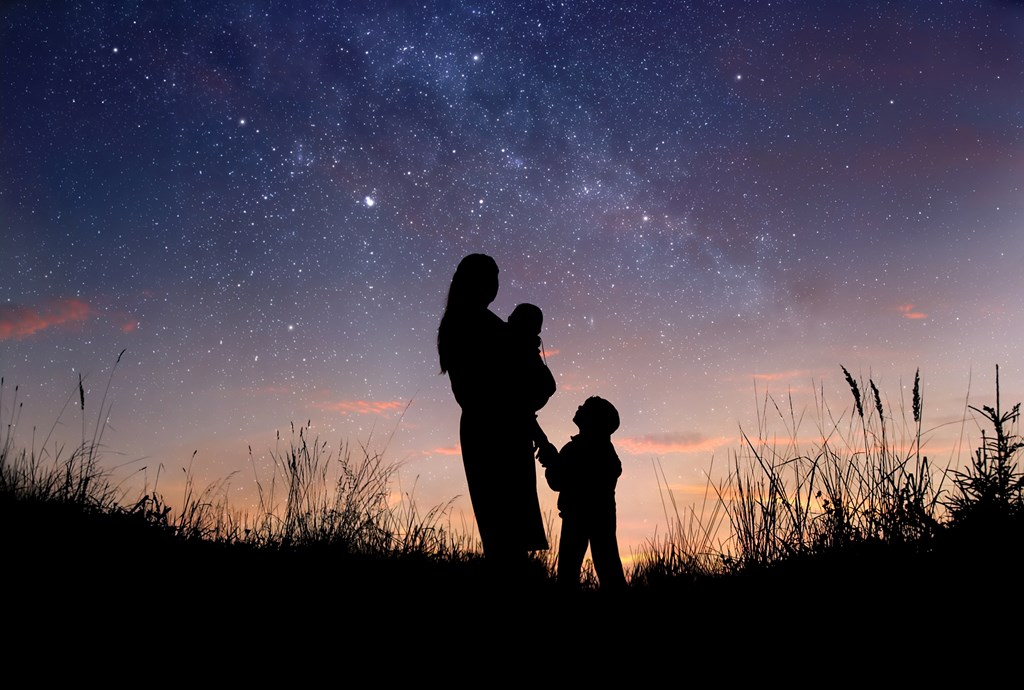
[{"x": 474, "y": 286}]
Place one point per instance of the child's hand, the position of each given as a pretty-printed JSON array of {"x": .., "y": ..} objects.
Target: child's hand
[{"x": 546, "y": 452}]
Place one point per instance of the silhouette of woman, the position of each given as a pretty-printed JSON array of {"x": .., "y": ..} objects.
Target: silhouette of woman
[{"x": 474, "y": 347}]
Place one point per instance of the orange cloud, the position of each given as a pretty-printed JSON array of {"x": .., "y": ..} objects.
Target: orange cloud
[
  {"x": 908, "y": 312},
  {"x": 670, "y": 442},
  {"x": 129, "y": 326},
  {"x": 17, "y": 322},
  {"x": 695, "y": 490},
  {"x": 381, "y": 407},
  {"x": 456, "y": 450}
]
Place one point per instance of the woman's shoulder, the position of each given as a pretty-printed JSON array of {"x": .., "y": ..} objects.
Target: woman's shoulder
[
  {"x": 483, "y": 317},
  {"x": 474, "y": 320}
]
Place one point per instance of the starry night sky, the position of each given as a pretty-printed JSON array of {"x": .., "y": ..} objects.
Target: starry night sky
[{"x": 263, "y": 203}]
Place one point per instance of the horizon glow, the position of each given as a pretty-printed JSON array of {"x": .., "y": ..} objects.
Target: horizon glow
[{"x": 716, "y": 210}]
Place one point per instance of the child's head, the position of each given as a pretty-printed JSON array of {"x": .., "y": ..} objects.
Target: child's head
[
  {"x": 527, "y": 318},
  {"x": 597, "y": 416}
]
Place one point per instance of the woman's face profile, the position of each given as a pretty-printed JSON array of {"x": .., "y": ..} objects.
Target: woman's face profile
[{"x": 477, "y": 280}]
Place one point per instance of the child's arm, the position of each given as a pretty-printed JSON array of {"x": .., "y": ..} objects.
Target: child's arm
[
  {"x": 554, "y": 466},
  {"x": 563, "y": 466},
  {"x": 547, "y": 454}
]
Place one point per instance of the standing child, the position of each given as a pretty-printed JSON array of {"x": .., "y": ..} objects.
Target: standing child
[
  {"x": 532, "y": 373},
  {"x": 584, "y": 473}
]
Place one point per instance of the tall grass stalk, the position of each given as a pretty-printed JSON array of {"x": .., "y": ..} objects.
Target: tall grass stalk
[
  {"x": 690, "y": 547},
  {"x": 313, "y": 497},
  {"x": 839, "y": 492},
  {"x": 57, "y": 475},
  {"x": 782, "y": 496},
  {"x": 346, "y": 500}
]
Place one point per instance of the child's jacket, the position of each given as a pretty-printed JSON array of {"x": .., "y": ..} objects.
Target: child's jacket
[{"x": 584, "y": 474}]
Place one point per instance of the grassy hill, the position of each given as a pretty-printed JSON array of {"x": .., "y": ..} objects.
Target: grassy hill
[{"x": 848, "y": 554}]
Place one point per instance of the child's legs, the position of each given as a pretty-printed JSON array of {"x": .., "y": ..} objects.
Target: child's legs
[
  {"x": 604, "y": 549},
  {"x": 572, "y": 547}
]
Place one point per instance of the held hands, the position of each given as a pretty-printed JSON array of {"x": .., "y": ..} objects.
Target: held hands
[{"x": 546, "y": 453}]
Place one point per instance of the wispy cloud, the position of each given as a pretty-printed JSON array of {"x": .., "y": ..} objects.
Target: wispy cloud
[
  {"x": 910, "y": 312},
  {"x": 447, "y": 450},
  {"x": 693, "y": 490},
  {"x": 671, "y": 442},
  {"x": 795, "y": 374},
  {"x": 379, "y": 407},
  {"x": 17, "y": 322}
]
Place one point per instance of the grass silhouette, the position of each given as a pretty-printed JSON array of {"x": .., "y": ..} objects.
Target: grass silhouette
[{"x": 859, "y": 522}]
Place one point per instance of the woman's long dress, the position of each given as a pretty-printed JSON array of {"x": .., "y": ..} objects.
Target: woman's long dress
[{"x": 497, "y": 450}]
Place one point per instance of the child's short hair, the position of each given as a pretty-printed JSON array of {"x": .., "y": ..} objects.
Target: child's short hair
[
  {"x": 602, "y": 414},
  {"x": 527, "y": 316}
]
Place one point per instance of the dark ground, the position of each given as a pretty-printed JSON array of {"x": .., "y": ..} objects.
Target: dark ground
[{"x": 90, "y": 587}]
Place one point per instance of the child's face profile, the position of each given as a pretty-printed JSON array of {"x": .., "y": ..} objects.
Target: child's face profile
[
  {"x": 596, "y": 416},
  {"x": 582, "y": 417}
]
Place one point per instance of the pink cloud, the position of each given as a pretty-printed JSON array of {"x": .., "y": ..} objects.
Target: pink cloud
[
  {"x": 909, "y": 312},
  {"x": 381, "y": 407},
  {"x": 781, "y": 375},
  {"x": 670, "y": 442},
  {"x": 17, "y": 322}
]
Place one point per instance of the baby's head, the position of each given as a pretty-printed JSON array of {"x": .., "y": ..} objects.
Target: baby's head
[
  {"x": 597, "y": 416},
  {"x": 527, "y": 318}
]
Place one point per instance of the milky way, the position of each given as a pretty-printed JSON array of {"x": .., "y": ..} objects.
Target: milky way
[{"x": 263, "y": 204}]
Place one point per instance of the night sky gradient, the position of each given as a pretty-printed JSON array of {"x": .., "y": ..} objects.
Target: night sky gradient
[{"x": 264, "y": 203}]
